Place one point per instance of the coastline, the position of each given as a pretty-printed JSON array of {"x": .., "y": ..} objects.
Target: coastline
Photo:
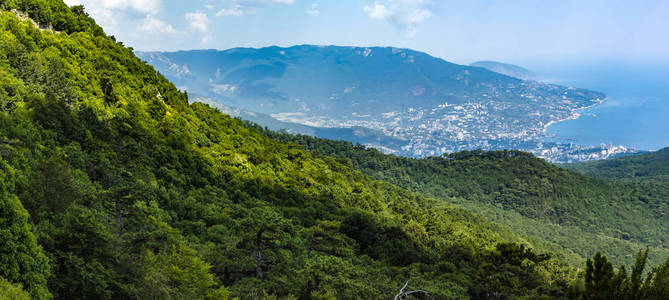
[{"x": 575, "y": 114}]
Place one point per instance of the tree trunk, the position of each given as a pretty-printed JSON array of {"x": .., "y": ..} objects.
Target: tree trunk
[
  {"x": 310, "y": 245},
  {"x": 258, "y": 256},
  {"x": 118, "y": 215}
]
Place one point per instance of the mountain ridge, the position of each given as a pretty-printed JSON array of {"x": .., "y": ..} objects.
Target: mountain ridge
[
  {"x": 506, "y": 69},
  {"x": 436, "y": 105},
  {"x": 651, "y": 166},
  {"x": 340, "y": 55}
]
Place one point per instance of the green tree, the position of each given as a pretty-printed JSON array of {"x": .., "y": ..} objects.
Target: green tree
[
  {"x": 632, "y": 286},
  {"x": 330, "y": 277},
  {"x": 83, "y": 255},
  {"x": 325, "y": 237},
  {"x": 598, "y": 278},
  {"x": 656, "y": 286},
  {"x": 263, "y": 231},
  {"x": 11, "y": 291},
  {"x": 177, "y": 273},
  {"x": 21, "y": 259}
]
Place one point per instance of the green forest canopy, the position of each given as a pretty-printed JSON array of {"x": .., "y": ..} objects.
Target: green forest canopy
[
  {"x": 653, "y": 166},
  {"x": 573, "y": 215}
]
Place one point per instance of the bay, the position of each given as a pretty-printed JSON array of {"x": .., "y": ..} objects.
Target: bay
[{"x": 635, "y": 115}]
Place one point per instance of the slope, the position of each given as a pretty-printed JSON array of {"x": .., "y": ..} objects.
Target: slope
[
  {"x": 652, "y": 166},
  {"x": 355, "y": 134},
  {"x": 506, "y": 69},
  {"x": 569, "y": 211},
  {"x": 132, "y": 192}
]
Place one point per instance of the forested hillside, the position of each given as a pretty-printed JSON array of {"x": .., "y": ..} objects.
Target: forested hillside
[
  {"x": 113, "y": 186},
  {"x": 574, "y": 214},
  {"x": 652, "y": 166}
]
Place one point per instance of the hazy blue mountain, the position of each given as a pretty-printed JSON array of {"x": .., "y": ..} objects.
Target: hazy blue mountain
[
  {"x": 506, "y": 69},
  {"x": 345, "y": 82},
  {"x": 432, "y": 105}
]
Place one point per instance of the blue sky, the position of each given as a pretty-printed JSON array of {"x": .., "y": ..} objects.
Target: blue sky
[{"x": 522, "y": 31}]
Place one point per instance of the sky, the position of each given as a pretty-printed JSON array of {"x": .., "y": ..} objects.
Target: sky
[{"x": 514, "y": 31}]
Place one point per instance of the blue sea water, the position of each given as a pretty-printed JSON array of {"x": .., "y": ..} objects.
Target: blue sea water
[{"x": 636, "y": 113}]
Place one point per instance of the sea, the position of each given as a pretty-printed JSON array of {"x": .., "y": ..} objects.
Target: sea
[{"x": 636, "y": 114}]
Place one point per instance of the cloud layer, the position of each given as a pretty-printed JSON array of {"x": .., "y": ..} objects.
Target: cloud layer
[
  {"x": 151, "y": 24},
  {"x": 197, "y": 20},
  {"x": 313, "y": 10},
  {"x": 403, "y": 14},
  {"x": 235, "y": 11}
]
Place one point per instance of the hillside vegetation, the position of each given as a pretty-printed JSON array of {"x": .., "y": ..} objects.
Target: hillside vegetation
[
  {"x": 574, "y": 214},
  {"x": 652, "y": 166}
]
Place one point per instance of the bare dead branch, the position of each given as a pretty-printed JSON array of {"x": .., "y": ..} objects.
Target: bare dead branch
[{"x": 403, "y": 293}]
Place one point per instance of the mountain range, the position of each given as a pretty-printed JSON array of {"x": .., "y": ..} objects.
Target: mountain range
[
  {"x": 434, "y": 106},
  {"x": 506, "y": 69}
]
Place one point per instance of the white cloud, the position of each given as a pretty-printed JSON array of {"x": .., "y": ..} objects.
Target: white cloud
[
  {"x": 106, "y": 18},
  {"x": 234, "y": 11},
  {"x": 263, "y": 2},
  {"x": 313, "y": 10},
  {"x": 144, "y": 6},
  {"x": 197, "y": 20},
  {"x": 378, "y": 11},
  {"x": 116, "y": 16},
  {"x": 223, "y": 89},
  {"x": 404, "y": 14},
  {"x": 238, "y": 8},
  {"x": 152, "y": 24}
]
